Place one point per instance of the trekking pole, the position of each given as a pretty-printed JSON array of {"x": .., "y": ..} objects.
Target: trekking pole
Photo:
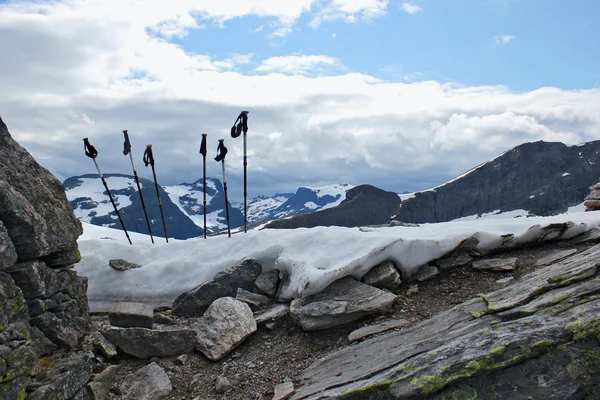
[
  {"x": 221, "y": 153},
  {"x": 235, "y": 132},
  {"x": 203, "y": 152},
  {"x": 127, "y": 150},
  {"x": 149, "y": 159},
  {"x": 92, "y": 153}
]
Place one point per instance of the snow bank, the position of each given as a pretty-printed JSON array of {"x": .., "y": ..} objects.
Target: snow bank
[{"x": 313, "y": 257}]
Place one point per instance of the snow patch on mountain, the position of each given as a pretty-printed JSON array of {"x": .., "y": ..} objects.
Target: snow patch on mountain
[{"x": 99, "y": 201}]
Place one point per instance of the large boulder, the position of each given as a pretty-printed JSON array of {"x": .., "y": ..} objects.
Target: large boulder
[
  {"x": 146, "y": 343},
  {"x": 65, "y": 378},
  {"x": 225, "y": 284},
  {"x": 43, "y": 207},
  {"x": 224, "y": 326},
  {"x": 536, "y": 339},
  {"x": 8, "y": 254},
  {"x": 343, "y": 301}
]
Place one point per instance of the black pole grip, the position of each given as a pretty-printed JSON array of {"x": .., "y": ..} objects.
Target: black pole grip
[
  {"x": 148, "y": 156},
  {"x": 126, "y": 144},
  {"x": 90, "y": 150},
  {"x": 203, "y": 145}
]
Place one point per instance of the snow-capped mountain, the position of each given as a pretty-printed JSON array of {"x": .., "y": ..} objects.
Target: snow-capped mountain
[
  {"x": 182, "y": 205},
  {"x": 305, "y": 200}
]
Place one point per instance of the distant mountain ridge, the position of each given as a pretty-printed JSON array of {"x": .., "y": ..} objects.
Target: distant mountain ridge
[
  {"x": 545, "y": 178},
  {"x": 183, "y": 204}
]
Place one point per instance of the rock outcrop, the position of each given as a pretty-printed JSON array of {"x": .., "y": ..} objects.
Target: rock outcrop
[
  {"x": 364, "y": 205},
  {"x": 539, "y": 338},
  {"x": 43, "y": 302},
  {"x": 544, "y": 178},
  {"x": 592, "y": 201},
  {"x": 32, "y": 192}
]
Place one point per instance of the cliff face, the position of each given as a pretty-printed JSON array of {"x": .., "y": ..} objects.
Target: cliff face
[
  {"x": 43, "y": 302},
  {"x": 364, "y": 205},
  {"x": 541, "y": 177}
]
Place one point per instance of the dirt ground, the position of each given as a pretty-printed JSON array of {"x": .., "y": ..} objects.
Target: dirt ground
[{"x": 272, "y": 356}]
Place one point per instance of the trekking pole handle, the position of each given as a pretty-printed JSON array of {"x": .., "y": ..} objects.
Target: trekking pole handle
[{"x": 90, "y": 150}]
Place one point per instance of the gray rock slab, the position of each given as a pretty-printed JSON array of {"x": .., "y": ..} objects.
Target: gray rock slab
[
  {"x": 454, "y": 261},
  {"x": 343, "y": 301},
  {"x": 277, "y": 311},
  {"x": 223, "y": 327},
  {"x": 267, "y": 282},
  {"x": 225, "y": 284},
  {"x": 148, "y": 383},
  {"x": 146, "y": 343},
  {"x": 426, "y": 273},
  {"x": 283, "y": 391},
  {"x": 122, "y": 265},
  {"x": 101, "y": 383},
  {"x": 534, "y": 336},
  {"x": 555, "y": 256},
  {"x": 131, "y": 315},
  {"x": 66, "y": 378},
  {"x": 369, "y": 330},
  {"x": 383, "y": 276},
  {"x": 496, "y": 264},
  {"x": 254, "y": 300},
  {"x": 106, "y": 348}
]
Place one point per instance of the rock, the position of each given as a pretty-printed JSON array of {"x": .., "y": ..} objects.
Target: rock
[
  {"x": 400, "y": 223},
  {"x": 84, "y": 393},
  {"x": 46, "y": 197},
  {"x": 17, "y": 356},
  {"x": 369, "y": 330},
  {"x": 226, "y": 283},
  {"x": 106, "y": 348},
  {"x": 131, "y": 315},
  {"x": 267, "y": 282},
  {"x": 65, "y": 378},
  {"x": 283, "y": 391},
  {"x": 275, "y": 312},
  {"x": 505, "y": 280},
  {"x": 536, "y": 339},
  {"x": 425, "y": 273},
  {"x": 122, "y": 265},
  {"x": 148, "y": 383},
  {"x": 182, "y": 360},
  {"x": 343, "y": 301},
  {"x": 591, "y": 205},
  {"x": 383, "y": 276},
  {"x": 222, "y": 384},
  {"x": 164, "y": 319},
  {"x": 254, "y": 300},
  {"x": 496, "y": 264},
  {"x": 41, "y": 344},
  {"x": 57, "y": 300},
  {"x": 555, "y": 256},
  {"x": 100, "y": 385},
  {"x": 224, "y": 326},
  {"x": 8, "y": 254},
  {"x": 26, "y": 228},
  {"x": 414, "y": 289},
  {"x": 145, "y": 343},
  {"x": 454, "y": 261}
]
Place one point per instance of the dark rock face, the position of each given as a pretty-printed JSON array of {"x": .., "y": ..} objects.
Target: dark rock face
[
  {"x": 66, "y": 378},
  {"x": 226, "y": 283},
  {"x": 46, "y": 197},
  {"x": 542, "y": 177},
  {"x": 17, "y": 356},
  {"x": 57, "y": 301},
  {"x": 539, "y": 338},
  {"x": 364, "y": 205},
  {"x": 8, "y": 254}
]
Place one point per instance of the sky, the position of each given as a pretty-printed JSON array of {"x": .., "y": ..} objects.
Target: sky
[{"x": 403, "y": 95}]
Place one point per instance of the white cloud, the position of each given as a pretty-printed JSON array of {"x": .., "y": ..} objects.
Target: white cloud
[
  {"x": 87, "y": 59},
  {"x": 258, "y": 29},
  {"x": 300, "y": 64},
  {"x": 503, "y": 39},
  {"x": 350, "y": 10},
  {"x": 333, "y": 35},
  {"x": 411, "y": 8}
]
